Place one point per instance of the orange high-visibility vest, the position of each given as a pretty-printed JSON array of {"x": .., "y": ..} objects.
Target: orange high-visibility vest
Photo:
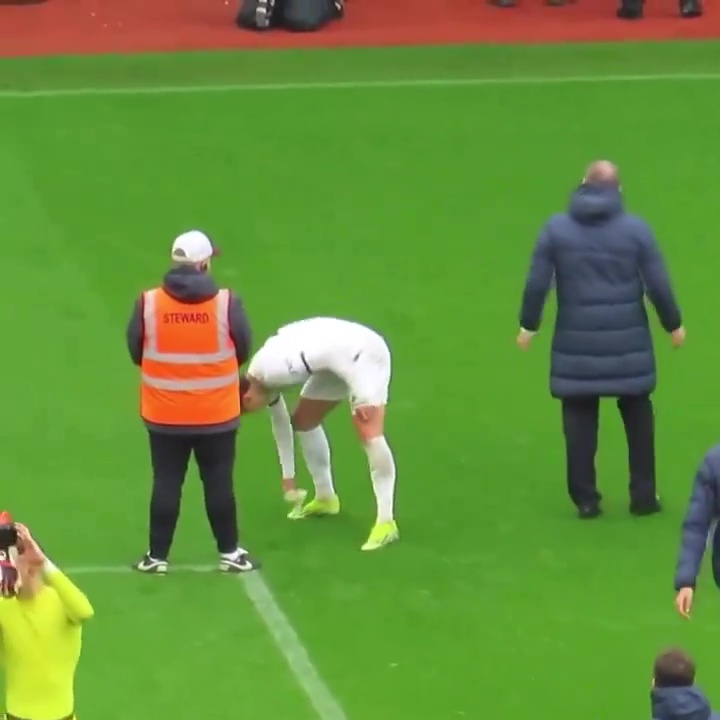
[{"x": 189, "y": 369}]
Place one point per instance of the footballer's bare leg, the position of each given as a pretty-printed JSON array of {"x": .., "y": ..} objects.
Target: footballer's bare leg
[
  {"x": 369, "y": 422},
  {"x": 309, "y": 413},
  {"x": 307, "y": 421}
]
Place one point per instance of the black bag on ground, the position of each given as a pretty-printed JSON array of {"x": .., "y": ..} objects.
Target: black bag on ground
[
  {"x": 260, "y": 14},
  {"x": 296, "y": 15},
  {"x": 310, "y": 15}
]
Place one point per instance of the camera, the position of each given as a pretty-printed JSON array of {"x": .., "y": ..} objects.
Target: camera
[{"x": 8, "y": 536}]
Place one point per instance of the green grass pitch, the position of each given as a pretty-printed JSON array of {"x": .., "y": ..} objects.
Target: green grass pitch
[{"x": 412, "y": 209}]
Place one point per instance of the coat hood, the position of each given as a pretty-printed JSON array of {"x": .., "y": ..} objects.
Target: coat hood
[
  {"x": 189, "y": 285},
  {"x": 592, "y": 204},
  {"x": 679, "y": 703}
]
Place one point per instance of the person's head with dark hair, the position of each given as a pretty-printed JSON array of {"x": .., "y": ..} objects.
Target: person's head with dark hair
[
  {"x": 674, "y": 694},
  {"x": 673, "y": 668}
]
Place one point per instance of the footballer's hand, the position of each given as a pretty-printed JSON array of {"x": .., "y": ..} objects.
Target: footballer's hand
[
  {"x": 684, "y": 600},
  {"x": 524, "y": 339},
  {"x": 294, "y": 496},
  {"x": 677, "y": 337}
]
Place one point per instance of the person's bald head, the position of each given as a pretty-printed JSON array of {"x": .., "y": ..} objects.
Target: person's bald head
[{"x": 602, "y": 172}]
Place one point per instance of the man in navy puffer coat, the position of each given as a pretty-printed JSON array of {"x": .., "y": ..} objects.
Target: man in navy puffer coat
[
  {"x": 702, "y": 514},
  {"x": 603, "y": 262},
  {"x": 674, "y": 695}
]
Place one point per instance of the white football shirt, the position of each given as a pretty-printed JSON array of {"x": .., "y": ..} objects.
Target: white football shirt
[{"x": 309, "y": 346}]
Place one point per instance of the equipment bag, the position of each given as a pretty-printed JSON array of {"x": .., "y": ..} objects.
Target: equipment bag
[
  {"x": 310, "y": 15},
  {"x": 260, "y": 14}
]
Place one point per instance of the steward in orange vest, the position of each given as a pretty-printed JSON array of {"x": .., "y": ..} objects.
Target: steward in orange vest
[{"x": 189, "y": 339}]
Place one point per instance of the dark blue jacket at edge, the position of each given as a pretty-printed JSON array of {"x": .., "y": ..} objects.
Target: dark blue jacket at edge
[
  {"x": 702, "y": 513},
  {"x": 681, "y": 703},
  {"x": 603, "y": 261}
]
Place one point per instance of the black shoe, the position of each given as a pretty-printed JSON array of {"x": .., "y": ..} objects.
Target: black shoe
[
  {"x": 502, "y": 3},
  {"x": 238, "y": 562},
  {"x": 589, "y": 511},
  {"x": 640, "y": 509},
  {"x": 151, "y": 566},
  {"x": 690, "y": 9},
  {"x": 630, "y": 10}
]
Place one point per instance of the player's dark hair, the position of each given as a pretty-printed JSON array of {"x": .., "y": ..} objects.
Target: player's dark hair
[{"x": 673, "y": 668}]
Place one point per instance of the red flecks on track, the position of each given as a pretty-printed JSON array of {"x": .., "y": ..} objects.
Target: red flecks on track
[{"x": 125, "y": 26}]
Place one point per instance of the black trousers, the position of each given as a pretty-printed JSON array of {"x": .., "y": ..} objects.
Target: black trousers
[
  {"x": 215, "y": 457},
  {"x": 580, "y": 425}
]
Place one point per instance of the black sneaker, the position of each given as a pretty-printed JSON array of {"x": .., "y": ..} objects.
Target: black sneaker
[
  {"x": 151, "y": 566},
  {"x": 589, "y": 511},
  {"x": 238, "y": 562},
  {"x": 640, "y": 509}
]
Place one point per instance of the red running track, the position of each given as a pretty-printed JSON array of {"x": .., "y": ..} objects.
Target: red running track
[{"x": 102, "y": 26}]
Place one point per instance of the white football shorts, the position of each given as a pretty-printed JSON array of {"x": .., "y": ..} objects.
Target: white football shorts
[{"x": 362, "y": 377}]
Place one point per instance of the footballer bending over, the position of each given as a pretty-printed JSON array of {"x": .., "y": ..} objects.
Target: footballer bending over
[{"x": 334, "y": 360}]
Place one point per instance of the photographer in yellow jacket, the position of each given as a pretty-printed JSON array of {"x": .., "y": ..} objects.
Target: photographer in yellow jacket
[{"x": 41, "y": 617}]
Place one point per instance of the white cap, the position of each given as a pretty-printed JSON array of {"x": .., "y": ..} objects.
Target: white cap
[{"x": 192, "y": 247}]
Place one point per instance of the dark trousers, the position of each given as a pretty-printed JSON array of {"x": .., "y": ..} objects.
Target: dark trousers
[
  {"x": 580, "y": 425},
  {"x": 215, "y": 457}
]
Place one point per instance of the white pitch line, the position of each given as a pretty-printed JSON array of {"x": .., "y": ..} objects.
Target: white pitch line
[
  {"x": 121, "y": 569},
  {"x": 292, "y": 649},
  {"x": 277, "y": 624},
  {"x": 357, "y": 85}
]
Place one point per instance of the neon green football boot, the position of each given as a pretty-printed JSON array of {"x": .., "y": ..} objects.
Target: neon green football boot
[
  {"x": 382, "y": 534},
  {"x": 317, "y": 507}
]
